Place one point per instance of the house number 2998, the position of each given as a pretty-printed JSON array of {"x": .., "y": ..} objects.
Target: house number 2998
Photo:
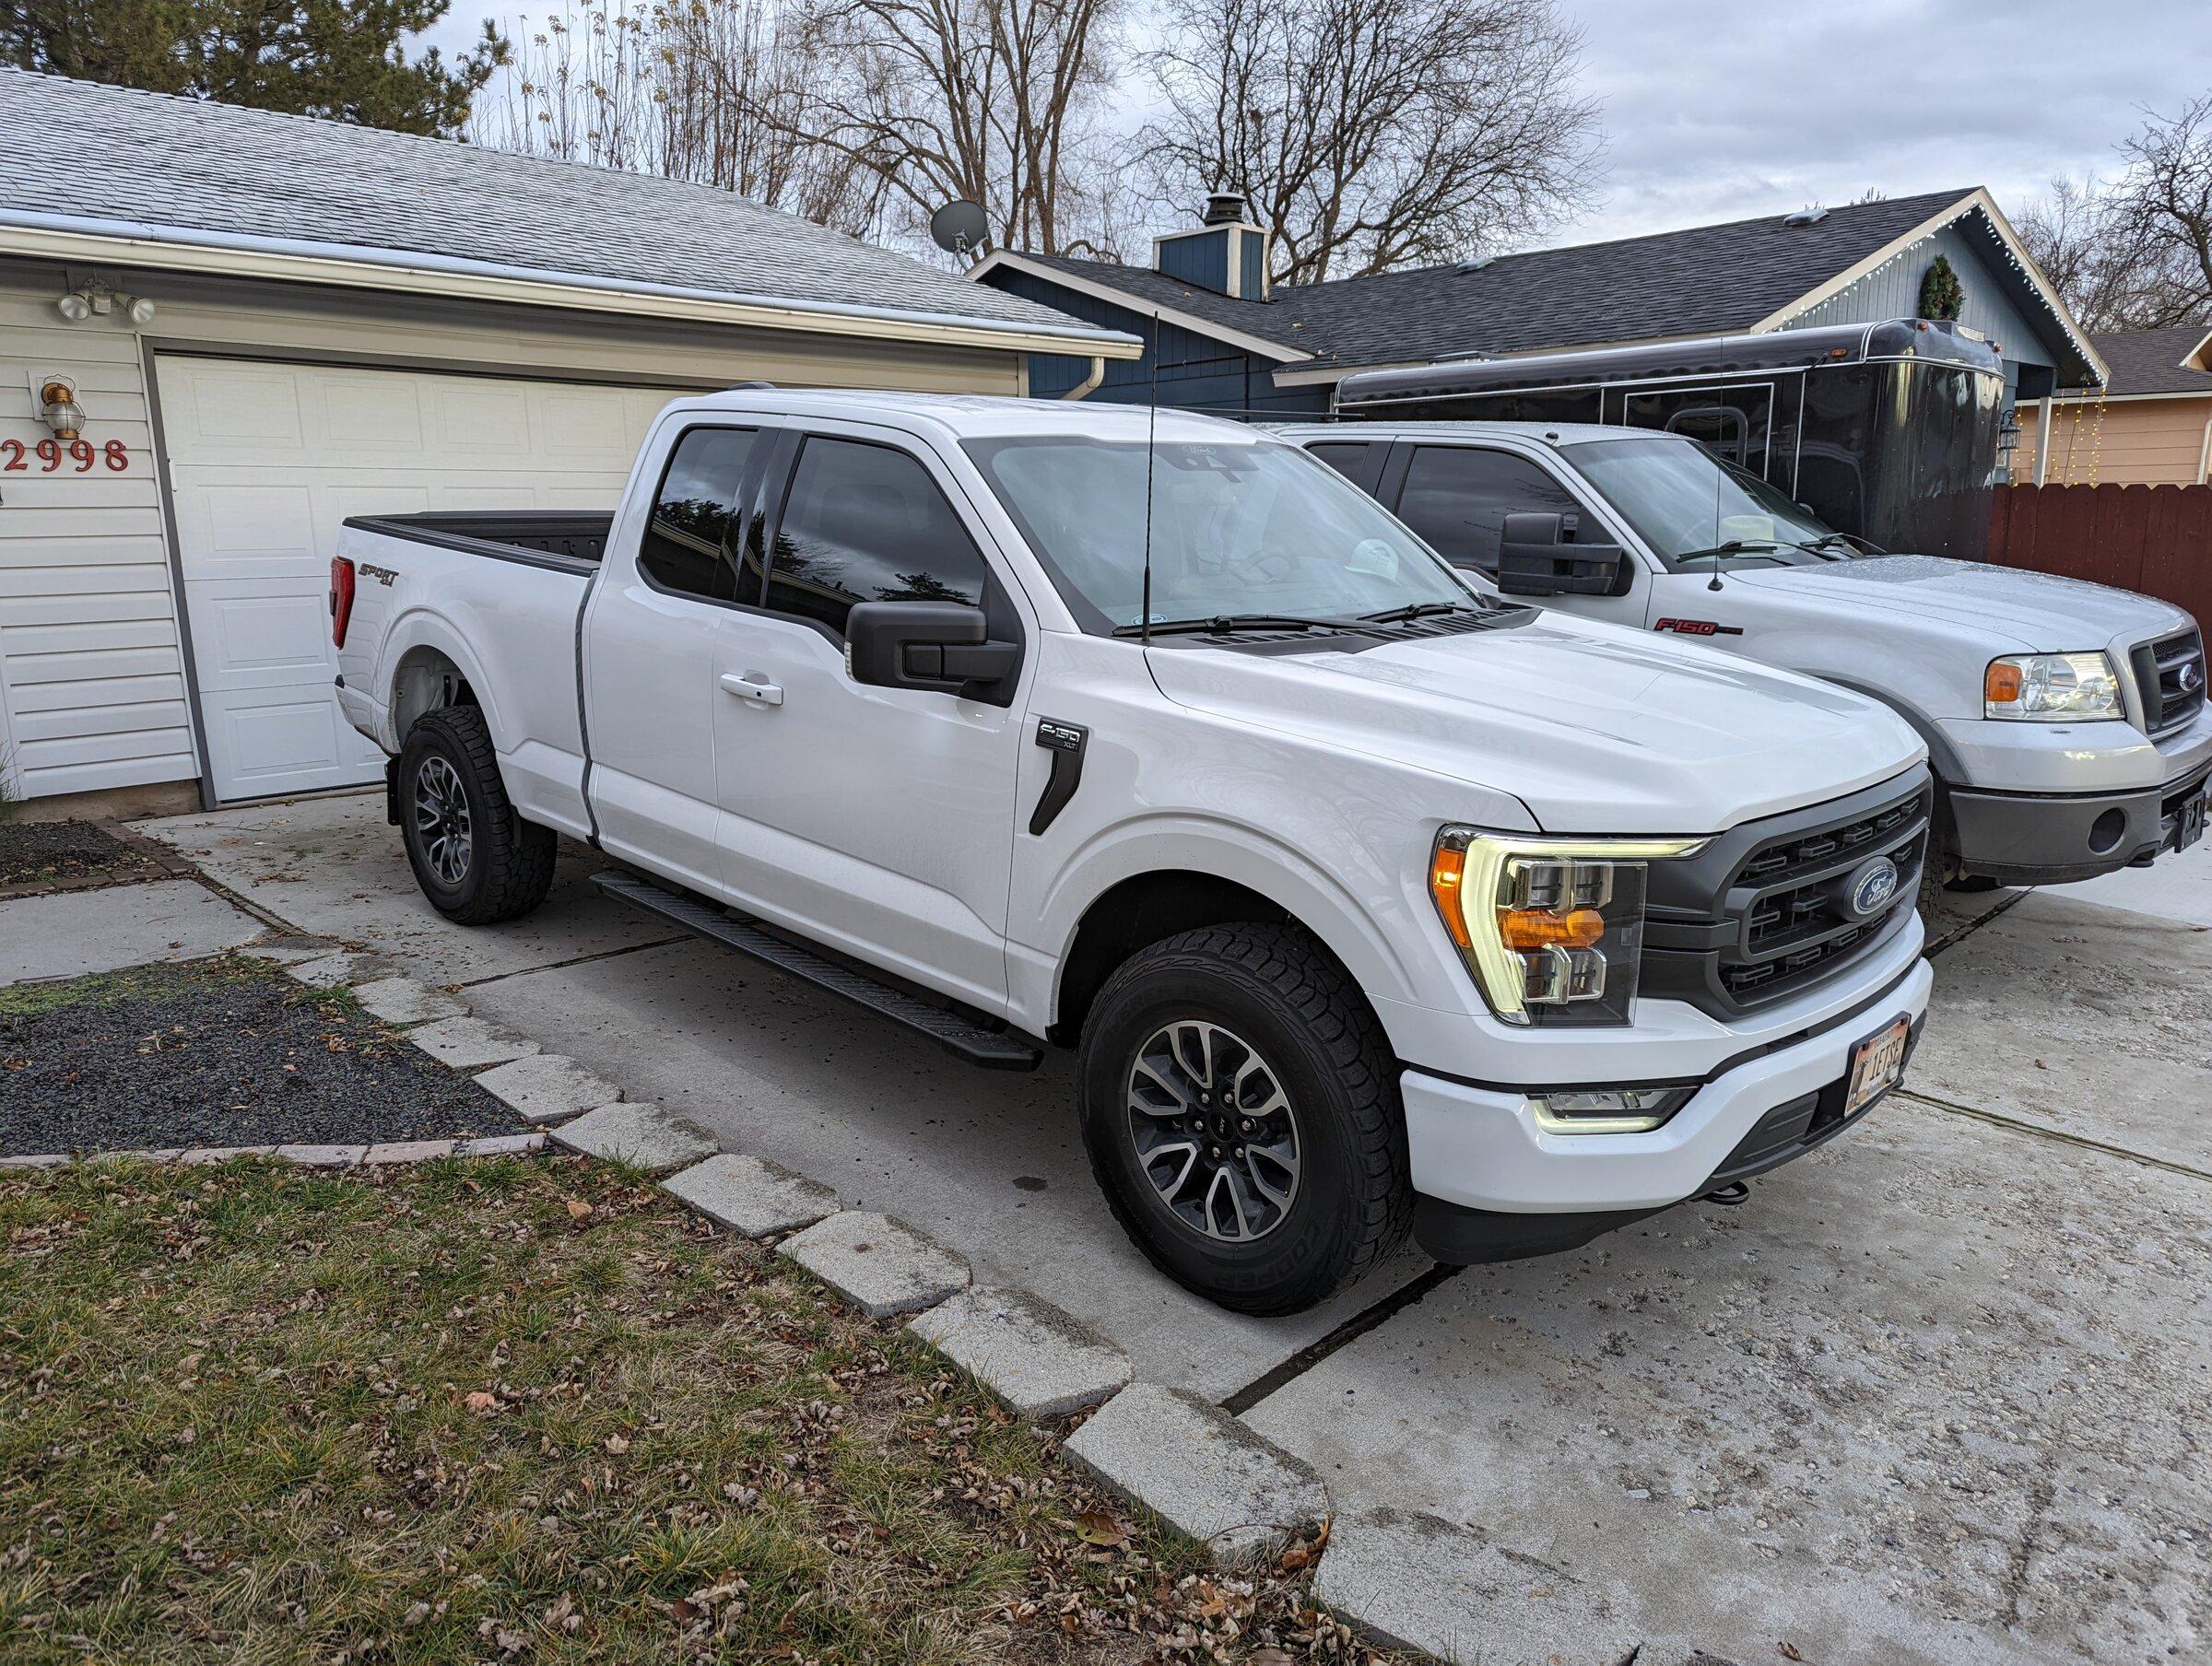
[{"x": 80, "y": 455}]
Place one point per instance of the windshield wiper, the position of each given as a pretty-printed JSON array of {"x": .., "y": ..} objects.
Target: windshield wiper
[
  {"x": 1735, "y": 547},
  {"x": 1224, "y": 624},
  {"x": 1866, "y": 547},
  {"x": 1418, "y": 610}
]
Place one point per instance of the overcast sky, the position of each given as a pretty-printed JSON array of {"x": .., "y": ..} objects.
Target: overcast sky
[{"x": 1716, "y": 110}]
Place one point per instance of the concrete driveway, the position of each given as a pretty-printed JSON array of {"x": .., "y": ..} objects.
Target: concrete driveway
[{"x": 1939, "y": 1393}]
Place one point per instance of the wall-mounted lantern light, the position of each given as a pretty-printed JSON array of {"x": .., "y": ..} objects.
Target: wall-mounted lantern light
[{"x": 60, "y": 410}]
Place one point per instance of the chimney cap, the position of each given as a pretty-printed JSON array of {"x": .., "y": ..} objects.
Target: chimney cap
[{"x": 1224, "y": 208}]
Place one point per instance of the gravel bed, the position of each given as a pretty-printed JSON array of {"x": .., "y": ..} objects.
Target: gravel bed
[
  {"x": 66, "y": 852},
  {"x": 219, "y": 1052}
]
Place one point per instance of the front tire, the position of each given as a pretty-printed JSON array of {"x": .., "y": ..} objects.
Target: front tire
[
  {"x": 1240, "y": 1110},
  {"x": 476, "y": 859}
]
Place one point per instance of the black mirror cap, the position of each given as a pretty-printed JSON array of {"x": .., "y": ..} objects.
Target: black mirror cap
[
  {"x": 1534, "y": 560},
  {"x": 941, "y": 646}
]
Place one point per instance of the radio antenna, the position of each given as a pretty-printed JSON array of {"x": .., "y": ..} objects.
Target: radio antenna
[{"x": 1151, "y": 431}]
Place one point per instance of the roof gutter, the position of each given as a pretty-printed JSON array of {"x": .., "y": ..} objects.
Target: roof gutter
[{"x": 62, "y": 237}]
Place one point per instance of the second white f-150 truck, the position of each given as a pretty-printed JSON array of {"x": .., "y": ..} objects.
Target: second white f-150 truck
[
  {"x": 1369, "y": 900},
  {"x": 2066, "y": 722}
]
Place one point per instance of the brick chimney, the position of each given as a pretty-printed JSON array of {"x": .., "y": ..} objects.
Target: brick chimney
[{"x": 1224, "y": 252}]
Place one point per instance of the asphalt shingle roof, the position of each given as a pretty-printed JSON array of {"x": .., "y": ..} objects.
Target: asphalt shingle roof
[
  {"x": 1707, "y": 280},
  {"x": 89, "y": 151},
  {"x": 2149, "y": 361}
]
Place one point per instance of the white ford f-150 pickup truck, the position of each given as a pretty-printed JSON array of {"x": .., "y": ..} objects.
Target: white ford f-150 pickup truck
[
  {"x": 1369, "y": 900},
  {"x": 2065, "y": 721}
]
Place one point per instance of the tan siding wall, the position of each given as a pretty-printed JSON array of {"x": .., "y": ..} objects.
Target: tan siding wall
[
  {"x": 92, "y": 670},
  {"x": 2125, "y": 442}
]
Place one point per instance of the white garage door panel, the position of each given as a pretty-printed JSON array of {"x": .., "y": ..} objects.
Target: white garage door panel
[{"x": 267, "y": 461}]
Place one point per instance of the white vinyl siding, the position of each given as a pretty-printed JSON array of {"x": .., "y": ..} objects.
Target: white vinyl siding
[{"x": 91, "y": 669}]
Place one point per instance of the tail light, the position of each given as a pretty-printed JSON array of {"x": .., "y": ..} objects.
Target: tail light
[{"x": 341, "y": 599}]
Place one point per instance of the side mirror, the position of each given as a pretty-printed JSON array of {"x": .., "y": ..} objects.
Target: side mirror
[
  {"x": 940, "y": 646},
  {"x": 1533, "y": 559}
]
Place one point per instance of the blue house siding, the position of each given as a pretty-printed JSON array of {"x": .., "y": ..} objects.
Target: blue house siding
[
  {"x": 1252, "y": 280},
  {"x": 1892, "y": 290},
  {"x": 1197, "y": 372},
  {"x": 1201, "y": 258}
]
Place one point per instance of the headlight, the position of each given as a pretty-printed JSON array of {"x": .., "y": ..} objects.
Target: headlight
[
  {"x": 1551, "y": 928},
  {"x": 2051, "y": 687}
]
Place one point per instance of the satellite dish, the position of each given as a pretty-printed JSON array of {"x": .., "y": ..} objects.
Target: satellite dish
[{"x": 960, "y": 229}]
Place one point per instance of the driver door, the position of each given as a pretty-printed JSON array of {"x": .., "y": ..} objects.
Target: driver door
[
  {"x": 1457, "y": 497},
  {"x": 879, "y": 821}
]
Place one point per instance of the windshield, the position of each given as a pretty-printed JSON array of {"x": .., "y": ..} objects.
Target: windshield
[
  {"x": 1237, "y": 528},
  {"x": 1683, "y": 501}
]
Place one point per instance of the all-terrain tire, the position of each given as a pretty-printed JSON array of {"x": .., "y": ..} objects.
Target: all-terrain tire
[
  {"x": 509, "y": 867},
  {"x": 1278, "y": 992}
]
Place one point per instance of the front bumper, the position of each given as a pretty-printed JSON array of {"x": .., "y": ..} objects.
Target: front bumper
[
  {"x": 1476, "y": 1149},
  {"x": 2035, "y": 839}
]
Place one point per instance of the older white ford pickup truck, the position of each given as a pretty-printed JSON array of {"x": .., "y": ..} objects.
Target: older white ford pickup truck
[
  {"x": 2066, "y": 722},
  {"x": 1369, "y": 900}
]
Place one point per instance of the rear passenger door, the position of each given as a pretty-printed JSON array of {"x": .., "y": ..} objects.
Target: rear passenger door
[
  {"x": 879, "y": 821},
  {"x": 1457, "y": 497}
]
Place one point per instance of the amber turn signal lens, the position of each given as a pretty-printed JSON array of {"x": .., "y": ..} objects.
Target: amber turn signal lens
[
  {"x": 1445, "y": 875},
  {"x": 1528, "y": 929},
  {"x": 2003, "y": 683}
]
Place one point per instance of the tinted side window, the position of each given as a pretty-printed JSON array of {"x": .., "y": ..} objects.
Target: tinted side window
[
  {"x": 1350, "y": 461},
  {"x": 866, "y": 524},
  {"x": 695, "y": 515},
  {"x": 1458, "y": 499}
]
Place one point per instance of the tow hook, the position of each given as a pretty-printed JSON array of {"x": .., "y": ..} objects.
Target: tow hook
[{"x": 1730, "y": 1195}]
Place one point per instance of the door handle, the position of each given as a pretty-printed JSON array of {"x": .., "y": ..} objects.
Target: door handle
[{"x": 754, "y": 688}]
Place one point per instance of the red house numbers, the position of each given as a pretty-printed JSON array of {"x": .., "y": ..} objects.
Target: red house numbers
[{"x": 79, "y": 456}]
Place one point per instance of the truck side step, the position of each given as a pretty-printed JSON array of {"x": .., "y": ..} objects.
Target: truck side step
[{"x": 963, "y": 1037}]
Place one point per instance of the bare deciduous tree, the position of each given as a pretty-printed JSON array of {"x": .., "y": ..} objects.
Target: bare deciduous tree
[
  {"x": 676, "y": 88},
  {"x": 2135, "y": 253},
  {"x": 1374, "y": 133},
  {"x": 998, "y": 102},
  {"x": 2163, "y": 205}
]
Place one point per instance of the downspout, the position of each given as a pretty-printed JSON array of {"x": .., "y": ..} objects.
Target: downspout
[
  {"x": 2203, "y": 456},
  {"x": 2042, "y": 437},
  {"x": 1089, "y": 383}
]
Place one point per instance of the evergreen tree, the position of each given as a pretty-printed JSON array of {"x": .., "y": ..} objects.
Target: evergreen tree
[{"x": 339, "y": 58}]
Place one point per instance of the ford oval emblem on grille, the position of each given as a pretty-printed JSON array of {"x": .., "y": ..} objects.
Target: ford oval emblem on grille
[
  {"x": 2191, "y": 676},
  {"x": 1872, "y": 887}
]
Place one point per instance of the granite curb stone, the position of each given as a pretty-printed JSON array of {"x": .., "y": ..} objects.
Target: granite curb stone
[{"x": 881, "y": 1266}]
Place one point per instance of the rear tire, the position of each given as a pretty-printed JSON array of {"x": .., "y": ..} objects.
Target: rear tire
[
  {"x": 1297, "y": 1182},
  {"x": 476, "y": 859}
]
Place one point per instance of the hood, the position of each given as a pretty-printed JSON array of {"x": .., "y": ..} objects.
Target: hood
[
  {"x": 1596, "y": 729},
  {"x": 2012, "y": 609}
]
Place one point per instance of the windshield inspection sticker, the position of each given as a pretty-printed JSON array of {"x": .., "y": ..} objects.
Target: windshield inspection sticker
[{"x": 1698, "y": 627}]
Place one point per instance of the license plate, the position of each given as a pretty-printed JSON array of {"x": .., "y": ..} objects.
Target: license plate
[
  {"x": 1878, "y": 1065},
  {"x": 2189, "y": 826}
]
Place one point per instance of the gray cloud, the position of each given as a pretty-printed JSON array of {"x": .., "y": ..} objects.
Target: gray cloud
[{"x": 1715, "y": 110}]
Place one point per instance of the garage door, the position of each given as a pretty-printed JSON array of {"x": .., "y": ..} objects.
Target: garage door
[{"x": 267, "y": 459}]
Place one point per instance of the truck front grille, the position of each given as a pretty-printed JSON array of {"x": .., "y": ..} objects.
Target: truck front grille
[
  {"x": 1766, "y": 911},
  {"x": 2170, "y": 676}
]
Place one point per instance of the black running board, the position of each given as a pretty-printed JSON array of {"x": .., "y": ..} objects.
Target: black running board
[{"x": 963, "y": 1037}]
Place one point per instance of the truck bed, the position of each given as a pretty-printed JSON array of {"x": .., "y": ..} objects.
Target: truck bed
[{"x": 566, "y": 540}]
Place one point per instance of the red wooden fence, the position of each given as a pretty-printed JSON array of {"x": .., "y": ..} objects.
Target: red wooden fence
[{"x": 2156, "y": 539}]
